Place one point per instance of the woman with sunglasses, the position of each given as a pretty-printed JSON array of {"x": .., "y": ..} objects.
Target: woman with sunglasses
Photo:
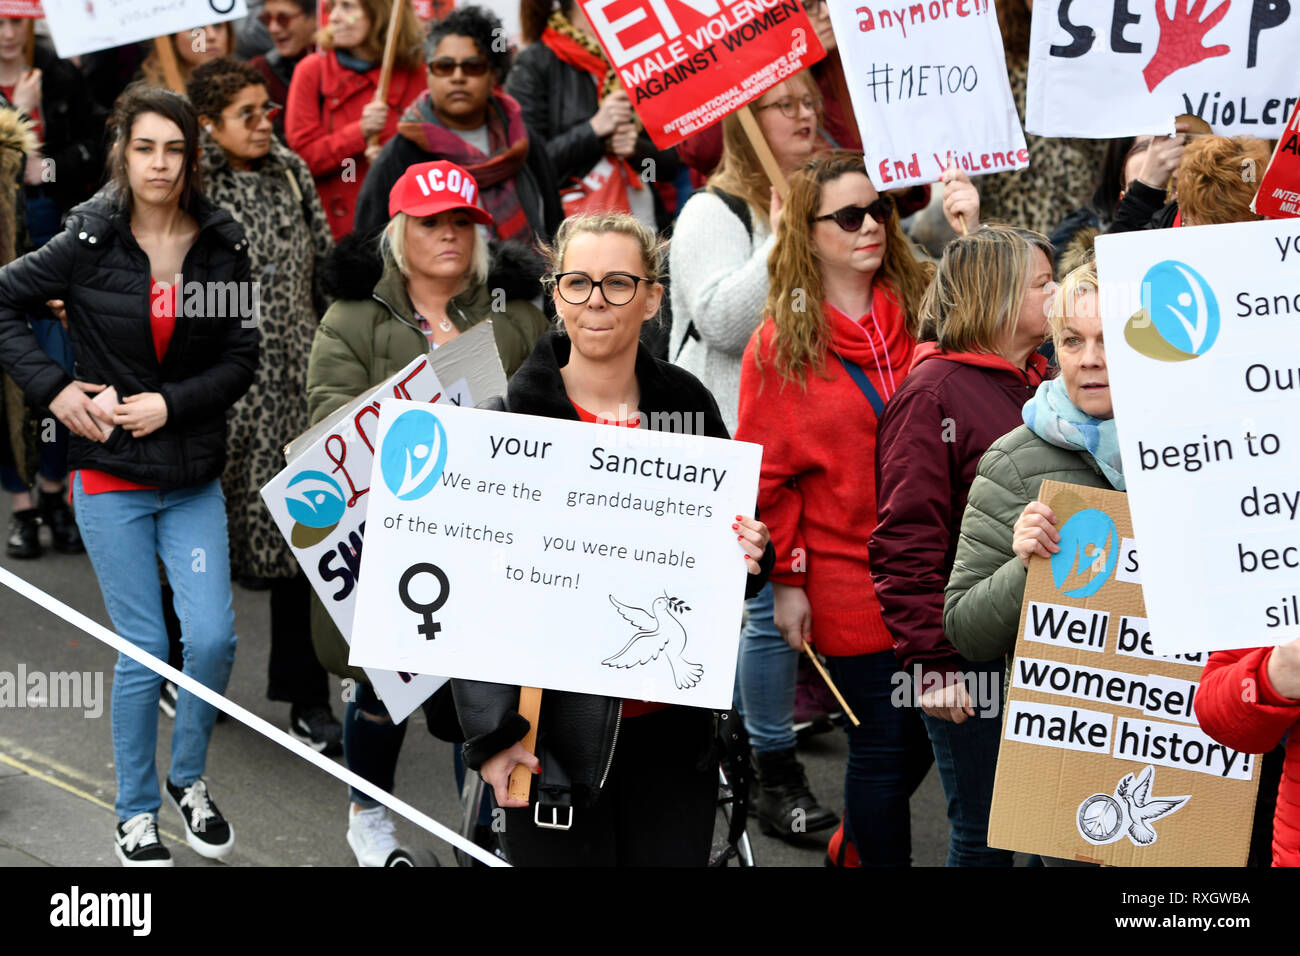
[
  {"x": 291, "y": 27},
  {"x": 639, "y": 780},
  {"x": 334, "y": 119},
  {"x": 269, "y": 191},
  {"x": 843, "y": 312},
  {"x": 466, "y": 118},
  {"x": 718, "y": 257}
]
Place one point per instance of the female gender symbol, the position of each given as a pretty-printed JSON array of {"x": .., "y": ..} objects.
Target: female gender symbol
[{"x": 428, "y": 628}]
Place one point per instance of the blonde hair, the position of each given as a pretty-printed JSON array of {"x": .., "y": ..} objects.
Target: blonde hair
[
  {"x": 1079, "y": 282},
  {"x": 654, "y": 250},
  {"x": 740, "y": 172},
  {"x": 973, "y": 303},
  {"x": 410, "y": 35},
  {"x": 803, "y": 334},
  {"x": 392, "y": 244}
]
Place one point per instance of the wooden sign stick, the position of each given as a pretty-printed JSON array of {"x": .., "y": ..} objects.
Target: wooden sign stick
[
  {"x": 29, "y": 44},
  {"x": 170, "y": 67},
  {"x": 530, "y": 705},
  {"x": 390, "y": 56},
  {"x": 759, "y": 142},
  {"x": 848, "y": 711}
]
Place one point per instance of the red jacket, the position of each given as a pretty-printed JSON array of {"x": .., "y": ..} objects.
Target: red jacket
[
  {"x": 943, "y": 419},
  {"x": 323, "y": 126},
  {"x": 817, "y": 488},
  {"x": 1237, "y": 706}
]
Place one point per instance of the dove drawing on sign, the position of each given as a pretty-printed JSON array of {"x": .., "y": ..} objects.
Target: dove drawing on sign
[
  {"x": 1142, "y": 809},
  {"x": 659, "y": 633}
]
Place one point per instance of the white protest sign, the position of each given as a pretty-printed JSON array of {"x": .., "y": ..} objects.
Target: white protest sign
[
  {"x": 534, "y": 551},
  {"x": 1103, "y": 70},
  {"x": 1203, "y": 359},
  {"x": 320, "y": 501},
  {"x": 929, "y": 88},
  {"x": 82, "y": 26}
]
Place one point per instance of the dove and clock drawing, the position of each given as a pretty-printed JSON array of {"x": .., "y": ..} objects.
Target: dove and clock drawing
[
  {"x": 660, "y": 634},
  {"x": 1132, "y": 810}
]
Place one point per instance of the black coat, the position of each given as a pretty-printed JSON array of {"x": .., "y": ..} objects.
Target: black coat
[
  {"x": 535, "y": 183},
  {"x": 559, "y": 101},
  {"x": 102, "y": 274},
  {"x": 577, "y": 732}
]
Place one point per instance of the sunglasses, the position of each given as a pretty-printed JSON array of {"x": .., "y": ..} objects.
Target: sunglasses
[
  {"x": 850, "y": 218},
  {"x": 445, "y": 66},
  {"x": 281, "y": 20},
  {"x": 252, "y": 116}
]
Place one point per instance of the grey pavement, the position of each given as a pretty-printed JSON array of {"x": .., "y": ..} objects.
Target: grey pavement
[{"x": 56, "y": 769}]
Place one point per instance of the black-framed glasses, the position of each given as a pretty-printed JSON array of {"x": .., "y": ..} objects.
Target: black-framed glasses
[
  {"x": 789, "y": 106},
  {"x": 617, "y": 288},
  {"x": 251, "y": 116},
  {"x": 850, "y": 218},
  {"x": 445, "y": 66}
]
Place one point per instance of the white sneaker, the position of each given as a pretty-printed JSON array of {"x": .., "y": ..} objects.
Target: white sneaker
[
  {"x": 370, "y": 834},
  {"x": 137, "y": 842}
]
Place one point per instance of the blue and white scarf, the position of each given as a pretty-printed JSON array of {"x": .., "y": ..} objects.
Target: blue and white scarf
[{"x": 1052, "y": 417}]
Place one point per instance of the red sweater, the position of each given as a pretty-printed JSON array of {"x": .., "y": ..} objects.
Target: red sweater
[
  {"x": 1237, "y": 706},
  {"x": 817, "y": 487}
]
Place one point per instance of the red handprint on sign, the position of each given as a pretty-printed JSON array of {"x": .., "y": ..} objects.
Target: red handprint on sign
[{"x": 1181, "y": 38}]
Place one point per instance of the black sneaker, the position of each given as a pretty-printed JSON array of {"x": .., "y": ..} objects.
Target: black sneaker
[
  {"x": 24, "y": 535},
  {"x": 316, "y": 727},
  {"x": 167, "y": 699},
  {"x": 57, "y": 516},
  {"x": 137, "y": 842},
  {"x": 206, "y": 830}
]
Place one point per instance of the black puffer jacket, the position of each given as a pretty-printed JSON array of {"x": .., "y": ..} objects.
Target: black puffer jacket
[
  {"x": 577, "y": 732},
  {"x": 102, "y": 274}
]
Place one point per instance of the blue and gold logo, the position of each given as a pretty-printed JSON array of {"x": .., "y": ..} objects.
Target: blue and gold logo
[
  {"x": 1089, "y": 552},
  {"x": 315, "y": 502},
  {"x": 1179, "y": 318}
]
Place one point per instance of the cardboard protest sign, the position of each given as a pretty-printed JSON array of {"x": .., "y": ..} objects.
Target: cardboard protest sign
[
  {"x": 1101, "y": 756},
  {"x": 1124, "y": 69},
  {"x": 534, "y": 551},
  {"x": 1203, "y": 362},
  {"x": 320, "y": 501},
  {"x": 687, "y": 63},
  {"x": 1279, "y": 190},
  {"x": 21, "y": 9},
  {"x": 84, "y": 26},
  {"x": 929, "y": 88}
]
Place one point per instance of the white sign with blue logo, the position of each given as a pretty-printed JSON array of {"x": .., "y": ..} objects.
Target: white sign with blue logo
[
  {"x": 1203, "y": 359},
  {"x": 534, "y": 551}
]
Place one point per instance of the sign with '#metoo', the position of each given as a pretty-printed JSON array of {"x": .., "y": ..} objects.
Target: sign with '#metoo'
[
  {"x": 929, "y": 88},
  {"x": 533, "y": 551}
]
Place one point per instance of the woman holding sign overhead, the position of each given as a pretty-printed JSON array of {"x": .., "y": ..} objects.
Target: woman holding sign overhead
[{"x": 637, "y": 781}]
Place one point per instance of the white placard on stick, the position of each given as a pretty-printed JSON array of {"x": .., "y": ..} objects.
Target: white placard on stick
[
  {"x": 1204, "y": 361},
  {"x": 555, "y": 554},
  {"x": 1103, "y": 70},
  {"x": 929, "y": 88},
  {"x": 320, "y": 501},
  {"x": 84, "y": 26}
]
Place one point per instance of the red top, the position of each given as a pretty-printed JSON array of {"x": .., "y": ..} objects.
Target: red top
[
  {"x": 1238, "y": 706},
  {"x": 631, "y": 708},
  {"x": 817, "y": 485},
  {"x": 162, "y": 324}
]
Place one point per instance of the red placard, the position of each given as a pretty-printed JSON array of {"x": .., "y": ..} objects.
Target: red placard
[
  {"x": 1279, "y": 190},
  {"x": 21, "y": 9},
  {"x": 688, "y": 63}
]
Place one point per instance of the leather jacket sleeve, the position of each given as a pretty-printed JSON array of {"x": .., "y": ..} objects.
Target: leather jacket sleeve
[
  {"x": 534, "y": 81},
  {"x": 25, "y": 285},
  {"x": 489, "y": 717}
]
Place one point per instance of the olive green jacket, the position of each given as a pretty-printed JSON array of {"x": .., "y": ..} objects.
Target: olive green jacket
[
  {"x": 361, "y": 343},
  {"x": 981, "y": 608}
]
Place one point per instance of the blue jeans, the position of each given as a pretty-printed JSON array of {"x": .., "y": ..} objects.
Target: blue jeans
[
  {"x": 766, "y": 676},
  {"x": 186, "y": 527},
  {"x": 966, "y": 755},
  {"x": 889, "y": 756}
]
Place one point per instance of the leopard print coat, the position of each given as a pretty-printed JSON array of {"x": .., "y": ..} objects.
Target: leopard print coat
[{"x": 289, "y": 236}]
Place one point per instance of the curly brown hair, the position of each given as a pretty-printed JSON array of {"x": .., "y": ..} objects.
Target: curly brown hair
[
  {"x": 213, "y": 85},
  {"x": 1218, "y": 177}
]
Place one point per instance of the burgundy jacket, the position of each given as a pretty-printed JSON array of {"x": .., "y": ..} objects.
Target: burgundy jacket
[{"x": 935, "y": 428}]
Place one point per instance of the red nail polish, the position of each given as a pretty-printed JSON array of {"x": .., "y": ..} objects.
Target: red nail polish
[
  {"x": 739, "y": 517},
  {"x": 735, "y": 527},
  {"x": 740, "y": 537}
]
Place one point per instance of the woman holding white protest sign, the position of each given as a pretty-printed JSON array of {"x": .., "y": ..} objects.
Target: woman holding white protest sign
[
  {"x": 843, "y": 318},
  {"x": 987, "y": 309},
  {"x": 636, "y": 780},
  {"x": 164, "y": 365},
  {"x": 433, "y": 278}
]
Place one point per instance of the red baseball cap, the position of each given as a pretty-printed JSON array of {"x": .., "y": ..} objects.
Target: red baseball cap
[{"x": 427, "y": 189}]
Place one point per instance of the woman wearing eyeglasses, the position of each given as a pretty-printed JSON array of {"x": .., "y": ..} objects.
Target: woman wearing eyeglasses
[
  {"x": 270, "y": 192},
  {"x": 465, "y": 118},
  {"x": 843, "y": 305},
  {"x": 291, "y": 26},
  {"x": 333, "y": 119},
  {"x": 718, "y": 257}
]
